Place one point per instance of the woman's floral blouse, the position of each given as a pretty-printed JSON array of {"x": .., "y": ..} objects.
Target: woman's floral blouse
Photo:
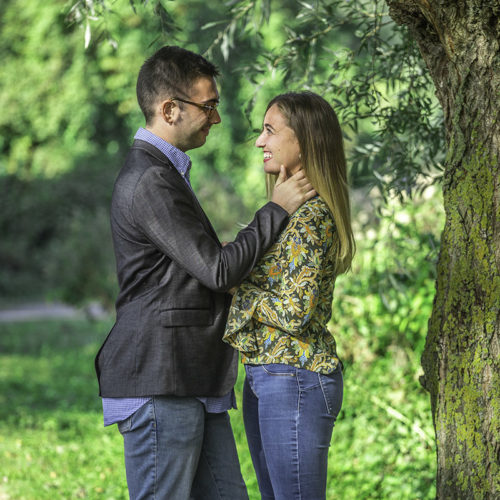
[{"x": 280, "y": 312}]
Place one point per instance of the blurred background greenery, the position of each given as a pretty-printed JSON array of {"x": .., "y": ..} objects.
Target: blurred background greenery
[{"x": 67, "y": 95}]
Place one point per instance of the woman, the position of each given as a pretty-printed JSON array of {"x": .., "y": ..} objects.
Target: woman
[{"x": 293, "y": 387}]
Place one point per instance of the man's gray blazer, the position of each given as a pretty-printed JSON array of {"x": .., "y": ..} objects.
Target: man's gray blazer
[{"x": 174, "y": 276}]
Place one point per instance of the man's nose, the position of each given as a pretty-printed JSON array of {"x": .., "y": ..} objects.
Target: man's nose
[{"x": 215, "y": 117}]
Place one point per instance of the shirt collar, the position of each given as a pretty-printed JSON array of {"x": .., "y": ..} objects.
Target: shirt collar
[{"x": 179, "y": 159}]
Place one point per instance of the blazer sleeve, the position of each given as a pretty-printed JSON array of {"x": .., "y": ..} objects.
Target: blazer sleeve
[{"x": 165, "y": 210}]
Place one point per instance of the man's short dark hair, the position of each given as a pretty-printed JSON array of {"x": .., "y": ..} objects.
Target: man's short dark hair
[{"x": 169, "y": 72}]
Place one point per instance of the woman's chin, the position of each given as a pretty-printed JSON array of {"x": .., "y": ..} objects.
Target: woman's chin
[{"x": 271, "y": 169}]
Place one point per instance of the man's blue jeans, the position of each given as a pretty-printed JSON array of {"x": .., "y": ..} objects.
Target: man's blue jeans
[
  {"x": 289, "y": 414},
  {"x": 175, "y": 450}
]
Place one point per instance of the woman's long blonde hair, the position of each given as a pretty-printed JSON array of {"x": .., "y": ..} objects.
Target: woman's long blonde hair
[{"x": 321, "y": 146}]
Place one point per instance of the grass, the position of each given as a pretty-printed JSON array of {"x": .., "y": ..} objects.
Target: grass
[{"x": 53, "y": 444}]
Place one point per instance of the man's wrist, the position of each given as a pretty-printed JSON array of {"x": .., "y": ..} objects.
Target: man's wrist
[{"x": 278, "y": 206}]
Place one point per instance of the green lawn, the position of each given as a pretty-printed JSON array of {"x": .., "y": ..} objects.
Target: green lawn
[{"x": 53, "y": 444}]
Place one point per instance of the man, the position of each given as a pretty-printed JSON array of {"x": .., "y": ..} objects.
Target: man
[{"x": 164, "y": 373}]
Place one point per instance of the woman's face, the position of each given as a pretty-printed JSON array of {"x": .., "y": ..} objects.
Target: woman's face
[{"x": 279, "y": 144}]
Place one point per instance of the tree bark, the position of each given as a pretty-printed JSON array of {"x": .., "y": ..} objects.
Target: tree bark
[{"x": 459, "y": 41}]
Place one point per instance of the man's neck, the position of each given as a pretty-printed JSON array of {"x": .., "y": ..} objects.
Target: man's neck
[{"x": 163, "y": 134}]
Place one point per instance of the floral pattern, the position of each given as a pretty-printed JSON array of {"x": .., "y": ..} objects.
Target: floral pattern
[{"x": 280, "y": 312}]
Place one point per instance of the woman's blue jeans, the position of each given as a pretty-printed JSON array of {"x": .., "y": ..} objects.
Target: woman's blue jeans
[{"x": 289, "y": 414}]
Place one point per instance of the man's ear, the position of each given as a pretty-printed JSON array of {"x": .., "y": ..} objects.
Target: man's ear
[{"x": 167, "y": 110}]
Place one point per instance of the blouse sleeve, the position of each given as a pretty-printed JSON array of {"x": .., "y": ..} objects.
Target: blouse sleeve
[{"x": 295, "y": 278}]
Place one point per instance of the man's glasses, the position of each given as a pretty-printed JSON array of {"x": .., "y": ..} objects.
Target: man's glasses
[{"x": 208, "y": 108}]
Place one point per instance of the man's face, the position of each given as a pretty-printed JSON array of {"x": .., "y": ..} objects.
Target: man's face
[{"x": 193, "y": 123}]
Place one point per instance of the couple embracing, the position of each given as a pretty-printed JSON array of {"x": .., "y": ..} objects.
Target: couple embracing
[{"x": 188, "y": 304}]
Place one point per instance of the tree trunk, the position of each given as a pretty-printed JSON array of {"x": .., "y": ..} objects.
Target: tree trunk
[{"x": 459, "y": 41}]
